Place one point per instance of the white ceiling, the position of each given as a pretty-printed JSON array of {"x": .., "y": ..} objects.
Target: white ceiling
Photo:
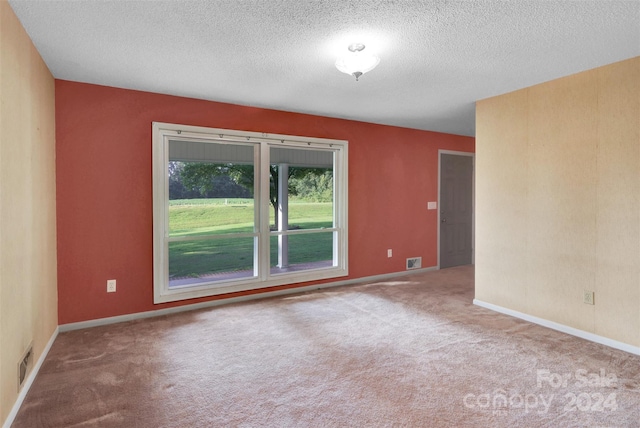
[{"x": 437, "y": 57}]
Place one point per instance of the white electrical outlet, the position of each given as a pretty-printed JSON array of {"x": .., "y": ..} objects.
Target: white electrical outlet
[
  {"x": 588, "y": 297},
  {"x": 111, "y": 286},
  {"x": 389, "y": 253}
]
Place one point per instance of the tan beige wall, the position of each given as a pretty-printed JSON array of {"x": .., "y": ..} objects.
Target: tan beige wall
[
  {"x": 558, "y": 200},
  {"x": 28, "y": 292}
]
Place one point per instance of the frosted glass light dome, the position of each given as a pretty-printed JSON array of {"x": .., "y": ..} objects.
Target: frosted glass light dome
[{"x": 357, "y": 62}]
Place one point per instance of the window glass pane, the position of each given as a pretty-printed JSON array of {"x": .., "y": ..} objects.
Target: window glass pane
[
  {"x": 306, "y": 251},
  {"x": 302, "y": 199},
  {"x": 207, "y": 260},
  {"x": 211, "y": 193},
  {"x": 308, "y": 183}
]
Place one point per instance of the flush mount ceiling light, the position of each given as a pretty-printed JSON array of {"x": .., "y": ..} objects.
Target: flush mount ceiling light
[{"x": 357, "y": 62}]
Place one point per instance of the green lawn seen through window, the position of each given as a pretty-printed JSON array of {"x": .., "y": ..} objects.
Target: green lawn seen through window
[{"x": 198, "y": 217}]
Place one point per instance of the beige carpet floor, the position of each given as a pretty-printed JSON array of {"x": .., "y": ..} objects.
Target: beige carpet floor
[{"x": 412, "y": 352}]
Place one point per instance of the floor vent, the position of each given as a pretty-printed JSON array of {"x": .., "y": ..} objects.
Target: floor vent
[{"x": 414, "y": 263}]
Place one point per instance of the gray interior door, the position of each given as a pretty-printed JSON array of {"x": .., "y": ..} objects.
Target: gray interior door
[{"x": 456, "y": 210}]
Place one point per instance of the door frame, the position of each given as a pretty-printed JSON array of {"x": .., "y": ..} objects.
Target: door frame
[{"x": 473, "y": 199}]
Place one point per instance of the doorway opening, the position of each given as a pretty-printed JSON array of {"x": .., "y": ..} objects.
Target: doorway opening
[{"x": 456, "y": 208}]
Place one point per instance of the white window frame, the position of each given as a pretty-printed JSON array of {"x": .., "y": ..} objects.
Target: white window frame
[{"x": 163, "y": 132}]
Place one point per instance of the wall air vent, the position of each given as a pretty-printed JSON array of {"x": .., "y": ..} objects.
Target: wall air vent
[
  {"x": 24, "y": 365},
  {"x": 414, "y": 263}
]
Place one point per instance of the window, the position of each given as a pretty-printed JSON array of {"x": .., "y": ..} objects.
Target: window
[{"x": 240, "y": 210}]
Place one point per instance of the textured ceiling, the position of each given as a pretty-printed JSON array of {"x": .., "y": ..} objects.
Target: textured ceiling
[{"x": 437, "y": 57}]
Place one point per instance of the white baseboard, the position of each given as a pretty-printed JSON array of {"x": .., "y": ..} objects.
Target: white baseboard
[
  {"x": 561, "y": 327},
  {"x": 29, "y": 381},
  {"x": 296, "y": 290}
]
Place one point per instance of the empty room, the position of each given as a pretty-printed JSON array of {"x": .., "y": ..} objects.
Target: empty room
[{"x": 319, "y": 213}]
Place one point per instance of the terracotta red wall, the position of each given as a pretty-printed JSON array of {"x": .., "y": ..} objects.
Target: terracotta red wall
[{"x": 104, "y": 191}]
